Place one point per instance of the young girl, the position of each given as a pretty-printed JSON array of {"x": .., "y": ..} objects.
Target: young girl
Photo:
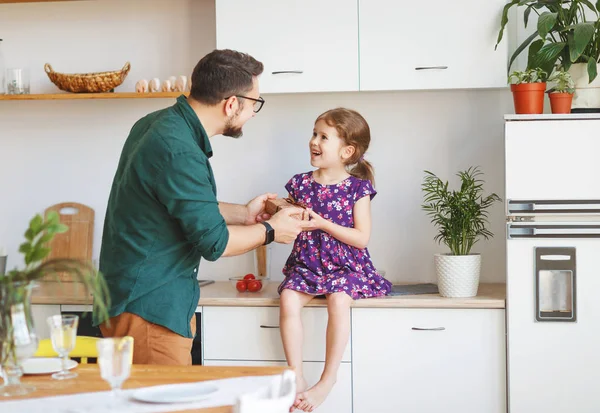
[{"x": 332, "y": 259}]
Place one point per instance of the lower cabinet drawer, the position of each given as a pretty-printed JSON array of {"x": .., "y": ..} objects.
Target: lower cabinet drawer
[
  {"x": 338, "y": 401},
  {"x": 252, "y": 333}
]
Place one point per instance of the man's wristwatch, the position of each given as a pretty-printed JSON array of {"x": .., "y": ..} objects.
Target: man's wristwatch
[{"x": 269, "y": 233}]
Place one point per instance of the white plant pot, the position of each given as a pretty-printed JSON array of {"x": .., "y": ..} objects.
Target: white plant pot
[
  {"x": 587, "y": 95},
  {"x": 458, "y": 275}
]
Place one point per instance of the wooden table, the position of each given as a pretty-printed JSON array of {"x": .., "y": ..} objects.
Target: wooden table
[{"x": 141, "y": 376}]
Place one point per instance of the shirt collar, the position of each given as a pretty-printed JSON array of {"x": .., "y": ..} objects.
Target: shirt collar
[{"x": 190, "y": 117}]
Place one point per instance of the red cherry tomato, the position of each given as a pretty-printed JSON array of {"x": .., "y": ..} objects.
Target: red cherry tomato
[
  {"x": 249, "y": 277},
  {"x": 241, "y": 286},
  {"x": 254, "y": 286}
]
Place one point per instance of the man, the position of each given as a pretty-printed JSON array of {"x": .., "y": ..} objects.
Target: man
[{"x": 163, "y": 215}]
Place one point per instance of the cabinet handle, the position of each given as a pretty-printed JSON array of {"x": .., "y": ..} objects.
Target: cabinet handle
[
  {"x": 279, "y": 72},
  {"x": 429, "y": 329},
  {"x": 431, "y": 67},
  {"x": 264, "y": 326}
]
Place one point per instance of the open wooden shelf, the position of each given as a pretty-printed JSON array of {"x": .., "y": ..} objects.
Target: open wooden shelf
[{"x": 69, "y": 96}]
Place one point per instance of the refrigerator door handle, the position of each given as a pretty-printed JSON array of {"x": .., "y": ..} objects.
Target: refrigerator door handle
[
  {"x": 586, "y": 206},
  {"x": 553, "y": 231}
]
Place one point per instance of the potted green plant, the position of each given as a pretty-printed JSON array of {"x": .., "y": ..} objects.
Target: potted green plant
[
  {"x": 567, "y": 35},
  {"x": 561, "y": 94},
  {"x": 18, "y": 340},
  {"x": 528, "y": 89},
  {"x": 461, "y": 217}
]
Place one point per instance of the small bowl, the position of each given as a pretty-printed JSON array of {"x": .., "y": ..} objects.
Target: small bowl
[{"x": 247, "y": 285}]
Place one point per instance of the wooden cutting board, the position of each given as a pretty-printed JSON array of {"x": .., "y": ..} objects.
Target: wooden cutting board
[{"x": 77, "y": 242}]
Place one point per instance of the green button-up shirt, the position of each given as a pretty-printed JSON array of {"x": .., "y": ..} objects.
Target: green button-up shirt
[{"x": 162, "y": 217}]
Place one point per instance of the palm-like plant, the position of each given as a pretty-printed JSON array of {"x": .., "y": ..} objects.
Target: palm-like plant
[
  {"x": 563, "y": 36},
  {"x": 15, "y": 286},
  {"x": 460, "y": 216}
]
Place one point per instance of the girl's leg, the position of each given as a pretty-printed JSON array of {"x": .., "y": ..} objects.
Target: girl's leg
[
  {"x": 338, "y": 332},
  {"x": 290, "y": 326}
]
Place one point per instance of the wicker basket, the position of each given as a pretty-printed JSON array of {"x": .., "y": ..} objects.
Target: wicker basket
[{"x": 88, "y": 82}]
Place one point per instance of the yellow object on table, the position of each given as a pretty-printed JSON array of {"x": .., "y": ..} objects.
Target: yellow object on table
[{"x": 85, "y": 347}]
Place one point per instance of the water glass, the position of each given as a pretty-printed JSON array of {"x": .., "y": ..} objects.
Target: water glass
[
  {"x": 115, "y": 356},
  {"x": 63, "y": 333},
  {"x": 17, "y": 81}
]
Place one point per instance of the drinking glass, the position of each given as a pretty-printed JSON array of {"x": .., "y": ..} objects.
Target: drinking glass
[
  {"x": 63, "y": 333},
  {"x": 115, "y": 356},
  {"x": 17, "y": 81}
]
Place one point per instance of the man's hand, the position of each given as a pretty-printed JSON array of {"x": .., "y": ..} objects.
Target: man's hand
[
  {"x": 286, "y": 227},
  {"x": 255, "y": 209}
]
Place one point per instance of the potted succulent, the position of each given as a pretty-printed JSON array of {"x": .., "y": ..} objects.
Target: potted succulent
[
  {"x": 18, "y": 340},
  {"x": 561, "y": 95},
  {"x": 528, "y": 89},
  {"x": 567, "y": 35},
  {"x": 461, "y": 217}
]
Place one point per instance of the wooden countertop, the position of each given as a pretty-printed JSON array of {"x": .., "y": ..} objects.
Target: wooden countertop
[
  {"x": 222, "y": 293},
  {"x": 89, "y": 380}
]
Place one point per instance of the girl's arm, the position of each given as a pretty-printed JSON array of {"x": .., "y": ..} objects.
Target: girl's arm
[{"x": 359, "y": 235}]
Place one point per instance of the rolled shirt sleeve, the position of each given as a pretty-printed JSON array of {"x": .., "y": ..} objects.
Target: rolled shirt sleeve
[{"x": 185, "y": 189}]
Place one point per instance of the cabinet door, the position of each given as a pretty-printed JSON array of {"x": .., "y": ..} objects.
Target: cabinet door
[
  {"x": 437, "y": 44},
  {"x": 252, "y": 333},
  {"x": 340, "y": 398},
  {"x": 428, "y": 360},
  {"x": 305, "y": 46}
]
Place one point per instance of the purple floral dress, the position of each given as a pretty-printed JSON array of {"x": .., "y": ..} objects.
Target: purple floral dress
[{"x": 319, "y": 263}]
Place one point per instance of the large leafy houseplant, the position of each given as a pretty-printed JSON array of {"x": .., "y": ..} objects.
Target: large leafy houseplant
[
  {"x": 564, "y": 34},
  {"x": 460, "y": 216},
  {"x": 18, "y": 340}
]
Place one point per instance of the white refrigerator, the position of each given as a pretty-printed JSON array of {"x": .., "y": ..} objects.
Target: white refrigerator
[{"x": 552, "y": 200}]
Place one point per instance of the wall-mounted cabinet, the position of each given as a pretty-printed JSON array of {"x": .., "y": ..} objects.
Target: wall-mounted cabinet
[
  {"x": 437, "y": 44},
  {"x": 305, "y": 46}
]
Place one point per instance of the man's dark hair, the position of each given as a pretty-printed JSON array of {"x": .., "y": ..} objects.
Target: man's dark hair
[{"x": 223, "y": 73}]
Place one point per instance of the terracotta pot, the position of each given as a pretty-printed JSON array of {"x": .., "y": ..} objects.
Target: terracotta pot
[
  {"x": 560, "y": 102},
  {"x": 529, "y": 97}
]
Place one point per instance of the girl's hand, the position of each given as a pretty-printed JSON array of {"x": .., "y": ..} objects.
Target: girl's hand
[{"x": 318, "y": 221}]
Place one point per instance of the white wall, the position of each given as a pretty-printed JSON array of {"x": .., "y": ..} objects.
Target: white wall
[{"x": 55, "y": 151}]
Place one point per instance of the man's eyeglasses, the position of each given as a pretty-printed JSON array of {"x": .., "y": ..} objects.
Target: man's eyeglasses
[{"x": 258, "y": 103}]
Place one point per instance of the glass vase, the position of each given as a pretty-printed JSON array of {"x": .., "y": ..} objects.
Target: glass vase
[{"x": 18, "y": 340}]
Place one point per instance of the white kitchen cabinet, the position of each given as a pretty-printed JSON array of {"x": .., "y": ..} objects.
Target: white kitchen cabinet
[
  {"x": 340, "y": 398},
  {"x": 305, "y": 46},
  {"x": 40, "y": 314},
  {"x": 436, "y": 44},
  {"x": 428, "y": 360},
  {"x": 252, "y": 333}
]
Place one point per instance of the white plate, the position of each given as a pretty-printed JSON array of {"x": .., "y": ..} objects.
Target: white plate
[
  {"x": 45, "y": 365},
  {"x": 176, "y": 393}
]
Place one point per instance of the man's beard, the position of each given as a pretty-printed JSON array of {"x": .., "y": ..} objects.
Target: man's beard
[{"x": 233, "y": 131}]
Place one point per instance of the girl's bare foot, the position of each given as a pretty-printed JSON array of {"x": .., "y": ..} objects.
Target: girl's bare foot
[
  {"x": 313, "y": 397},
  {"x": 301, "y": 386}
]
